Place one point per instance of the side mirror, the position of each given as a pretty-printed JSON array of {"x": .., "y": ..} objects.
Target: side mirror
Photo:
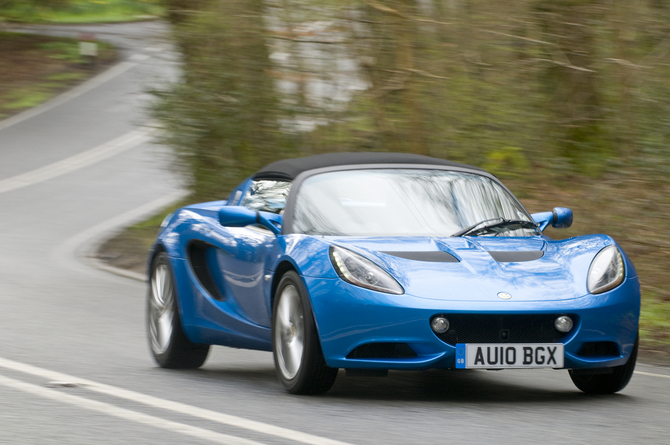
[
  {"x": 559, "y": 218},
  {"x": 238, "y": 216}
]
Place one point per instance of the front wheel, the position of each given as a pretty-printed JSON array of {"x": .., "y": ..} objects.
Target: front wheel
[
  {"x": 169, "y": 345},
  {"x": 297, "y": 353},
  {"x": 607, "y": 383}
]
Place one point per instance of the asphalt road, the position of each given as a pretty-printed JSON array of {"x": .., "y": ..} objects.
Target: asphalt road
[{"x": 74, "y": 362}]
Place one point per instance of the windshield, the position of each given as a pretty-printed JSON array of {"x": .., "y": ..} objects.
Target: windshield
[{"x": 402, "y": 202}]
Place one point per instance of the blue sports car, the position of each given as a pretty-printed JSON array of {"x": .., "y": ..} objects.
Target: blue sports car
[{"x": 378, "y": 261}]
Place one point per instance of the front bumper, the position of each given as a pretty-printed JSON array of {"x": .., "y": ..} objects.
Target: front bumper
[{"x": 348, "y": 317}]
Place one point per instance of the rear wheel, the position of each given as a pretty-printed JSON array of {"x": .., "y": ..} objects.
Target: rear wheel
[
  {"x": 298, "y": 358},
  {"x": 169, "y": 345},
  {"x": 607, "y": 383}
]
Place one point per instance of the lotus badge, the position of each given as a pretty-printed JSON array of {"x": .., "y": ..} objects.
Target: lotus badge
[{"x": 504, "y": 295}]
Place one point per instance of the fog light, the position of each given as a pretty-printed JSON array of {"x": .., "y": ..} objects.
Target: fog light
[
  {"x": 563, "y": 324},
  {"x": 440, "y": 325}
]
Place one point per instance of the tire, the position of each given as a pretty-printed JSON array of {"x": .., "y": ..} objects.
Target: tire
[
  {"x": 296, "y": 348},
  {"x": 168, "y": 343},
  {"x": 608, "y": 383}
]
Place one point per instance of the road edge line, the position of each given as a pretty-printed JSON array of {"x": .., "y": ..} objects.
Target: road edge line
[
  {"x": 168, "y": 405},
  {"x": 77, "y": 91},
  {"x": 652, "y": 374},
  {"x": 76, "y": 162},
  {"x": 123, "y": 413}
]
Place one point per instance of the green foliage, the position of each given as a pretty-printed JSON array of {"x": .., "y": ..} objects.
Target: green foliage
[
  {"x": 655, "y": 320},
  {"x": 507, "y": 161},
  {"x": 66, "y": 76},
  {"x": 66, "y": 50},
  {"x": 572, "y": 86},
  {"x": 34, "y": 68},
  {"x": 224, "y": 118},
  {"x": 25, "y": 98},
  {"x": 78, "y": 11}
]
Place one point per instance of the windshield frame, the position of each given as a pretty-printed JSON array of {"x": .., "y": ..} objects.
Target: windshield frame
[{"x": 287, "y": 223}]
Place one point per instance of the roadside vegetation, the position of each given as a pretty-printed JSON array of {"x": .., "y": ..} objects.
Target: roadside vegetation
[
  {"x": 566, "y": 100},
  {"x": 129, "y": 248},
  {"x": 35, "y": 68},
  {"x": 78, "y": 11}
]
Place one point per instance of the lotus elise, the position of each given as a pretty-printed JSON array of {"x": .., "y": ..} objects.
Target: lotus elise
[{"x": 380, "y": 261}]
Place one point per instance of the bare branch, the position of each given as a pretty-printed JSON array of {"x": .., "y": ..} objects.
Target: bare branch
[
  {"x": 517, "y": 37},
  {"x": 389, "y": 10},
  {"x": 325, "y": 42},
  {"x": 658, "y": 52},
  {"x": 415, "y": 71},
  {"x": 394, "y": 84},
  {"x": 624, "y": 62},
  {"x": 427, "y": 74}
]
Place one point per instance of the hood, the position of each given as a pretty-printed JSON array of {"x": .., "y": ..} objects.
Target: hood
[{"x": 478, "y": 268}]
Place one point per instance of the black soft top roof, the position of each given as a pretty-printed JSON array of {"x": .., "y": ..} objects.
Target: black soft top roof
[{"x": 288, "y": 169}]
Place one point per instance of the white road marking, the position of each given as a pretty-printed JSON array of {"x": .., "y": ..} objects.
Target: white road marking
[
  {"x": 126, "y": 414},
  {"x": 181, "y": 408},
  {"x": 68, "y": 165},
  {"x": 139, "y": 57},
  {"x": 85, "y": 87},
  {"x": 652, "y": 375},
  {"x": 65, "y": 253}
]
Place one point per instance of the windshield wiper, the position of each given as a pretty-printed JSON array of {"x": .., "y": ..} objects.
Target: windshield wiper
[
  {"x": 504, "y": 222},
  {"x": 469, "y": 228}
]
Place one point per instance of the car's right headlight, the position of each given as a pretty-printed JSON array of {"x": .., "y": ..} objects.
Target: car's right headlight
[
  {"x": 606, "y": 271},
  {"x": 359, "y": 271}
]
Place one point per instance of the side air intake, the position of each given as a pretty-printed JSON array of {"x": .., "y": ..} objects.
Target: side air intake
[{"x": 197, "y": 258}]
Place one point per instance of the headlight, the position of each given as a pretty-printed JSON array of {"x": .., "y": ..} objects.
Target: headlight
[
  {"x": 607, "y": 271},
  {"x": 360, "y": 271}
]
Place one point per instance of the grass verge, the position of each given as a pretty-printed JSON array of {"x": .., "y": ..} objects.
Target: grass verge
[
  {"x": 82, "y": 11},
  {"x": 35, "y": 68},
  {"x": 129, "y": 248}
]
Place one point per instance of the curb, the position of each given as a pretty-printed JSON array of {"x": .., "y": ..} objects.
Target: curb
[
  {"x": 82, "y": 248},
  {"x": 101, "y": 265}
]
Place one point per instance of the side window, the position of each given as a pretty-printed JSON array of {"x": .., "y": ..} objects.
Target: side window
[
  {"x": 268, "y": 196},
  {"x": 234, "y": 197}
]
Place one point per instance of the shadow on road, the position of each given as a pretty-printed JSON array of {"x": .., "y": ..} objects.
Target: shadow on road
[
  {"x": 477, "y": 387},
  {"x": 443, "y": 385}
]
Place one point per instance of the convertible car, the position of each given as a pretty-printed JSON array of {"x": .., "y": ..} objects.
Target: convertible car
[{"x": 380, "y": 261}]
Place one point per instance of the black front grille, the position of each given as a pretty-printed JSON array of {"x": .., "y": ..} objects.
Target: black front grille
[
  {"x": 382, "y": 351},
  {"x": 502, "y": 328}
]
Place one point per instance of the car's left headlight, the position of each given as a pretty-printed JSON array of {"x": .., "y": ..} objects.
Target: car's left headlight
[
  {"x": 358, "y": 270},
  {"x": 606, "y": 271}
]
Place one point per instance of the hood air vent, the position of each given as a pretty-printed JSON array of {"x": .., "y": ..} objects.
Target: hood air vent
[
  {"x": 514, "y": 256},
  {"x": 430, "y": 257}
]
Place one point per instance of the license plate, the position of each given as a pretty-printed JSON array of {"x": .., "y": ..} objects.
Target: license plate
[{"x": 509, "y": 355}]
